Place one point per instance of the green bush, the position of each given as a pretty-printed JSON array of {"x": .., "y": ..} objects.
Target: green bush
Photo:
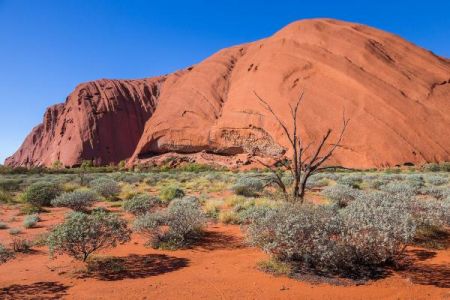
[
  {"x": 30, "y": 221},
  {"x": 106, "y": 187},
  {"x": 78, "y": 200},
  {"x": 171, "y": 192},
  {"x": 83, "y": 234},
  {"x": 176, "y": 227},
  {"x": 41, "y": 193},
  {"x": 141, "y": 204},
  {"x": 248, "y": 186}
]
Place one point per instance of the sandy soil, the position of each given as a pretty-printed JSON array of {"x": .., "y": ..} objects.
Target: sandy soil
[{"x": 219, "y": 267}]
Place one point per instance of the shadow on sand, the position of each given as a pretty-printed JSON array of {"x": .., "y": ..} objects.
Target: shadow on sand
[
  {"x": 133, "y": 266},
  {"x": 47, "y": 290}
]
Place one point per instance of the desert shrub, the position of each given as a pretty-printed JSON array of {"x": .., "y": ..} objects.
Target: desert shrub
[
  {"x": 436, "y": 180},
  {"x": 292, "y": 232},
  {"x": 70, "y": 187},
  {"x": 212, "y": 208},
  {"x": 10, "y": 185},
  {"x": 317, "y": 182},
  {"x": 5, "y": 254},
  {"x": 141, "y": 204},
  {"x": 171, "y": 192},
  {"x": 30, "y": 221},
  {"x": 106, "y": 187},
  {"x": 353, "y": 181},
  {"x": 229, "y": 217},
  {"x": 367, "y": 233},
  {"x": 175, "y": 227},
  {"x": 431, "y": 167},
  {"x": 5, "y": 196},
  {"x": 253, "y": 213},
  {"x": 130, "y": 178},
  {"x": 41, "y": 193},
  {"x": 340, "y": 195},
  {"x": 214, "y": 176},
  {"x": 21, "y": 245},
  {"x": 248, "y": 186},
  {"x": 376, "y": 183},
  {"x": 83, "y": 234},
  {"x": 403, "y": 189},
  {"x": 433, "y": 191},
  {"x": 14, "y": 231},
  {"x": 375, "y": 229},
  {"x": 430, "y": 213},
  {"x": 445, "y": 167},
  {"x": 78, "y": 200},
  {"x": 276, "y": 267},
  {"x": 3, "y": 225}
]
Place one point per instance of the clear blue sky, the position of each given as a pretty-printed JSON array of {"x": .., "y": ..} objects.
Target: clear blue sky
[{"x": 48, "y": 47}]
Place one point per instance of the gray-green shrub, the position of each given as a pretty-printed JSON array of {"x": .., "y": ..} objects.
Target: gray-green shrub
[
  {"x": 369, "y": 232},
  {"x": 30, "y": 221},
  {"x": 41, "y": 193},
  {"x": 436, "y": 180},
  {"x": 78, "y": 200},
  {"x": 174, "y": 227},
  {"x": 106, "y": 187},
  {"x": 82, "y": 234},
  {"x": 341, "y": 195},
  {"x": 141, "y": 204},
  {"x": 248, "y": 186},
  {"x": 171, "y": 192},
  {"x": 10, "y": 185}
]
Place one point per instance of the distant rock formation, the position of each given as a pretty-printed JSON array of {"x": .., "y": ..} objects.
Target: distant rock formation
[{"x": 396, "y": 94}]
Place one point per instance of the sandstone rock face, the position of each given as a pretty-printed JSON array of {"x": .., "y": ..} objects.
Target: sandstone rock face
[
  {"x": 396, "y": 94},
  {"x": 100, "y": 121}
]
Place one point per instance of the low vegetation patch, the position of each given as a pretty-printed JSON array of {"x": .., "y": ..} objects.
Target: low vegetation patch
[
  {"x": 141, "y": 204},
  {"x": 78, "y": 200},
  {"x": 106, "y": 187},
  {"x": 41, "y": 194},
  {"x": 175, "y": 227},
  {"x": 82, "y": 234},
  {"x": 171, "y": 192}
]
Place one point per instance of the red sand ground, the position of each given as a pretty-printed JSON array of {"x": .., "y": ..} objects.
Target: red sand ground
[{"x": 221, "y": 267}]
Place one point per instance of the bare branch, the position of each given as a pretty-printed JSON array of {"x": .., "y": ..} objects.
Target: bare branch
[{"x": 269, "y": 108}]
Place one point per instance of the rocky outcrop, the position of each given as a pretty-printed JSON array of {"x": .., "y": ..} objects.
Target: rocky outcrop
[
  {"x": 101, "y": 121},
  {"x": 396, "y": 94}
]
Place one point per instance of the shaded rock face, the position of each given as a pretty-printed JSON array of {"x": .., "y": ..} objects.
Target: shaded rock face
[
  {"x": 101, "y": 121},
  {"x": 396, "y": 94}
]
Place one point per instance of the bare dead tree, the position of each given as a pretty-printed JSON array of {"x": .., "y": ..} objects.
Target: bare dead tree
[{"x": 305, "y": 161}]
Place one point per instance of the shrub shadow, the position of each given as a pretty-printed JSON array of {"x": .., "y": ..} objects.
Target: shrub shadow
[
  {"x": 434, "y": 239},
  {"x": 45, "y": 290},
  {"x": 133, "y": 266},
  {"x": 437, "y": 275},
  {"x": 211, "y": 240}
]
